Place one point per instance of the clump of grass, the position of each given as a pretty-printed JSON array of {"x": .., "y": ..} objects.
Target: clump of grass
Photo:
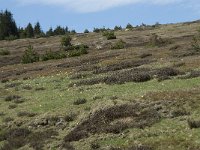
[
  {"x": 118, "y": 45},
  {"x": 2, "y": 114},
  {"x": 12, "y": 97},
  {"x": 4, "y": 52},
  {"x": 145, "y": 55},
  {"x": 8, "y": 119},
  {"x": 4, "y": 80},
  {"x": 40, "y": 89},
  {"x": 70, "y": 117},
  {"x": 94, "y": 145},
  {"x": 27, "y": 87},
  {"x": 13, "y": 85},
  {"x": 80, "y": 101},
  {"x": 25, "y": 114},
  {"x": 12, "y": 106},
  {"x": 193, "y": 123}
]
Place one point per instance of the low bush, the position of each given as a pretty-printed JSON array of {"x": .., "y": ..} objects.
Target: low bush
[
  {"x": 4, "y": 52},
  {"x": 196, "y": 43},
  {"x": 25, "y": 114},
  {"x": 30, "y": 56},
  {"x": 118, "y": 45},
  {"x": 80, "y": 101},
  {"x": 78, "y": 52},
  {"x": 156, "y": 40},
  {"x": 12, "y": 106},
  {"x": 66, "y": 41},
  {"x": 12, "y": 97},
  {"x": 49, "y": 55},
  {"x": 70, "y": 117},
  {"x": 193, "y": 123},
  {"x": 109, "y": 35}
]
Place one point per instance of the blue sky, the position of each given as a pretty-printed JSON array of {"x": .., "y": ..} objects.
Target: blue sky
[{"x": 82, "y": 14}]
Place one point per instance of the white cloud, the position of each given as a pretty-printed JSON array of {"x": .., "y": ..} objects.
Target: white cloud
[{"x": 94, "y": 5}]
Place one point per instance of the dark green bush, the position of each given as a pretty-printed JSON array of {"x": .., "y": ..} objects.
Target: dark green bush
[
  {"x": 118, "y": 45},
  {"x": 109, "y": 35},
  {"x": 78, "y": 50},
  {"x": 4, "y": 52},
  {"x": 80, "y": 101},
  {"x": 53, "y": 55},
  {"x": 30, "y": 56},
  {"x": 193, "y": 123}
]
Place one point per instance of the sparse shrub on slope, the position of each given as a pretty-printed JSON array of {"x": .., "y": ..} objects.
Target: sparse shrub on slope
[
  {"x": 118, "y": 45},
  {"x": 30, "y": 56},
  {"x": 109, "y": 35},
  {"x": 196, "y": 43},
  {"x": 53, "y": 55},
  {"x": 156, "y": 40},
  {"x": 4, "y": 52},
  {"x": 66, "y": 41}
]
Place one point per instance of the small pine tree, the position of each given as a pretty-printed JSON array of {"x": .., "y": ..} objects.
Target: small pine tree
[
  {"x": 29, "y": 31},
  {"x": 30, "y": 55},
  {"x": 50, "y": 32}
]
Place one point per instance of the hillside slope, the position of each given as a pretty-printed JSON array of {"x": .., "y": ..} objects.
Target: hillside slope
[{"x": 145, "y": 96}]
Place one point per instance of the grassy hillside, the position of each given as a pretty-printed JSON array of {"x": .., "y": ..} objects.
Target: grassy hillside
[{"x": 145, "y": 96}]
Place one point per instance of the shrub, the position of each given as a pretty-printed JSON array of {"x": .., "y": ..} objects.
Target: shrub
[
  {"x": 193, "y": 123},
  {"x": 78, "y": 52},
  {"x": 118, "y": 45},
  {"x": 4, "y": 52},
  {"x": 70, "y": 117},
  {"x": 109, "y": 35},
  {"x": 25, "y": 114},
  {"x": 30, "y": 56},
  {"x": 196, "y": 43},
  {"x": 155, "y": 40},
  {"x": 80, "y": 101},
  {"x": 53, "y": 55},
  {"x": 12, "y": 106},
  {"x": 94, "y": 145},
  {"x": 12, "y": 97},
  {"x": 66, "y": 41}
]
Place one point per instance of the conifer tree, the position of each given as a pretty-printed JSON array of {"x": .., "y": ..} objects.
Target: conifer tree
[
  {"x": 37, "y": 29},
  {"x": 8, "y": 26},
  {"x": 29, "y": 31}
]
